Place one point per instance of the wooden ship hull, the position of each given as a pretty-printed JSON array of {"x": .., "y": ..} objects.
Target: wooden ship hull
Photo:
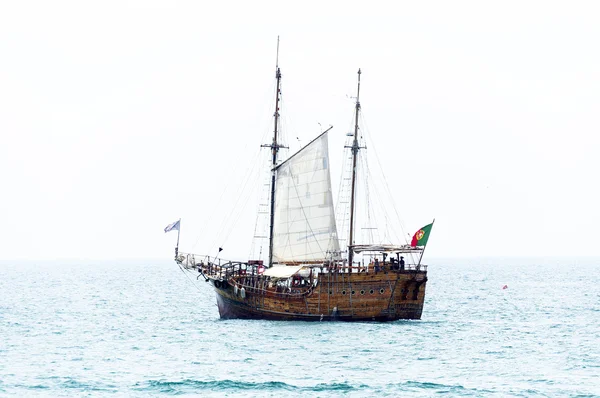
[
  {"x": 387, "y": 295},
  {"x": 311, "y": 273}
]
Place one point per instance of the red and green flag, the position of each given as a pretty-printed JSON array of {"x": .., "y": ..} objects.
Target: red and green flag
[{"x": 421, "y": 236}]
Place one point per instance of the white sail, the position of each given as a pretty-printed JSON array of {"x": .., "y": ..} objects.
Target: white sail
[{"x": 304, "y": 227}]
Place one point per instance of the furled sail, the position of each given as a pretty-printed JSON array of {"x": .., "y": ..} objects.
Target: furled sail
[{"x": 304, "y": 228}]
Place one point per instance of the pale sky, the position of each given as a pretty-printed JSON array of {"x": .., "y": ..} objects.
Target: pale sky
[{"x": 119, "y": 117}]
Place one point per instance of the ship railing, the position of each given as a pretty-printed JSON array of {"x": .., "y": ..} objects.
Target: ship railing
[
  {"x": 371, "y": 268},
  {"x": 216, "y": 267},
  {"x": 416, "y": 267}
]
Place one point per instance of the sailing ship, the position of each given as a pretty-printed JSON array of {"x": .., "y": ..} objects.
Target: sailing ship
[{"x": 307, "y": 275}]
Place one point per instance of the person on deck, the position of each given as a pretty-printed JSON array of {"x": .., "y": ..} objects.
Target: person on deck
[
  {"x": 377, "y": 269},
  {"x": 401, "y": 263}
]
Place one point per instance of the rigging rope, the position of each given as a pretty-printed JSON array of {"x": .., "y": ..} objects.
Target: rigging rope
[
  {"x": 224, "y": 227},
  {"x": 344, "y": 189},
  {"x": 230, "y": 181},
  {"x": 388, "y": 191},
  {"x": 188, "y": 277}
]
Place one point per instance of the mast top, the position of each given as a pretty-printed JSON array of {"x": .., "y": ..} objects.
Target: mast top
[
  {"x": 358, "y": 91},
  {"x": 277, "y": 73}
]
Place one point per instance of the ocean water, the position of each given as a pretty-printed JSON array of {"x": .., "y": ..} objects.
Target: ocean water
[{"x": 139, "y": 329}]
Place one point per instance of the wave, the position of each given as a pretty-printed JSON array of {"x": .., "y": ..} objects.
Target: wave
[
  {"x": 63, "y": 384},
  {"x": 230, "y": 385},
  {"x": 440, "y": 388},
  {"x": 188, "y": 385}
]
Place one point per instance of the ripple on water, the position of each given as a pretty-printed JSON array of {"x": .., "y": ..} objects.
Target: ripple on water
[{"x": 225, "y": 386}]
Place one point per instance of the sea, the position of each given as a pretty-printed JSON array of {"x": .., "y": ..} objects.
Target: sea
[{"x": 490, "y": 328}]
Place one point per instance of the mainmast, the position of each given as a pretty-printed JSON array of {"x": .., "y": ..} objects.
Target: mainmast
[
  {"x": 355, "y": 149},
  {"x": 274, "y": 148}
]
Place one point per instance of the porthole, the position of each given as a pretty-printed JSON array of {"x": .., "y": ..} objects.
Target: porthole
[
  {"x": 381, "y": 290},
  {"x": 362, "y": 292},
  {"x": 331, "y": 292},
  {"x": 353, "y": 292},
  {"x": 371, "y": 291},
  {"x": 344, "y": 292}
]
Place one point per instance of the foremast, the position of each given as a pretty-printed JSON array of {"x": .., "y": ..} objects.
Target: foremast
[
  {"x": 355, "y": 148},
  {"x": 274, "y": 149}
]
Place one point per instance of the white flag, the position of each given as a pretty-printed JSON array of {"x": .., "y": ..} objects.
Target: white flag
[{"x": 172, "y": 226}]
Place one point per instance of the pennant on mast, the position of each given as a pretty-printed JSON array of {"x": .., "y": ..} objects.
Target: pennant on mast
[{"x": 173, "y": 226}]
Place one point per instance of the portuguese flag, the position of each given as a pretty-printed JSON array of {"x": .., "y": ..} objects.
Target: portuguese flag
[{"x": 421, "y": 236}]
